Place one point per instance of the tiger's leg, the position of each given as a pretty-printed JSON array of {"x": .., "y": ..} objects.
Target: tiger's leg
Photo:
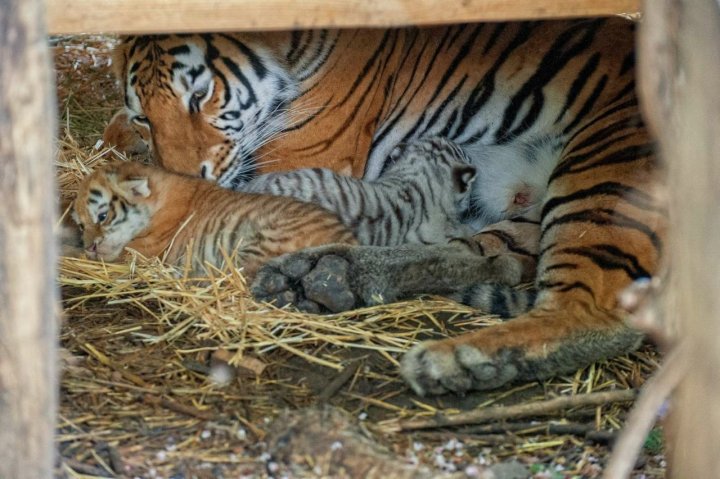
[
  {"x": 342, "y": 277},
  {"x": 601, "y": 228}
]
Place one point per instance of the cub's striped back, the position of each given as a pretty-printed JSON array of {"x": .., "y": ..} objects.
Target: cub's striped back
[
  {"x": 157, "y": 213},
  {"x": 418, "y": 199}
]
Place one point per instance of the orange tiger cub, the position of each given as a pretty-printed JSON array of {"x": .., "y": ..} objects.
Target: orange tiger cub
[{"x": 154, "y": 212}]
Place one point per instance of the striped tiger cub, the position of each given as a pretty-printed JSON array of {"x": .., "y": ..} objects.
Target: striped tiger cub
[
  {"x": 416, "y": 200},
  {"x": 130, "y": 205}
]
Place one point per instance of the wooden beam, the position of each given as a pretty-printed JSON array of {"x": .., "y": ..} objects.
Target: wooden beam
[
  {"x": 28, "y": 299},
  {"x": 158, "y": 16},
  {"x": 679, "y": 80}
]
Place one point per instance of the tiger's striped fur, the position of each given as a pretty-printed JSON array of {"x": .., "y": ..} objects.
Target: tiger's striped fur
[
  {"x": 227, "y": 106},
  {"x": 157, "y": 213},
  {"x": 417, "y": 200}
]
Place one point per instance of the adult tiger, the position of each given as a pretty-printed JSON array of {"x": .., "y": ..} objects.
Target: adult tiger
[{"x": 225, "y": 106}]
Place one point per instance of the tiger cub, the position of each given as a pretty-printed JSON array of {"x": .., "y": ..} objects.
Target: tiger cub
[
  {"x": 127, "y": 204},
  {"x": 417, "y": 200}
]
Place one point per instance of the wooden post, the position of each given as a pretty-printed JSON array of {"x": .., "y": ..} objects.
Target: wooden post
[
  {"x": 28, "y": 299},
  {"x": 680, "y": 84}
]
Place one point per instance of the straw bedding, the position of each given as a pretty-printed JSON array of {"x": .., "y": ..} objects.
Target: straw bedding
[{"x": 165, "y": 376}]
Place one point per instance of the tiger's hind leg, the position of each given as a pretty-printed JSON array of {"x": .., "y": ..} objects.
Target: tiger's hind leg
[{"x": 601, "y": 228}]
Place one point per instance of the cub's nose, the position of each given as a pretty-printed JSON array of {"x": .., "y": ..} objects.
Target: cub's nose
[{"x": 91, "y": 251}]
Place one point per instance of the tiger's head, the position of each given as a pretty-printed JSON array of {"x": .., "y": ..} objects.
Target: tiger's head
[
  {"x": 207, "y": 101},
  {"x": 112, "y": 208},
  {"x": 126, "y": 135},
  {"x": 443, "y": 162}
]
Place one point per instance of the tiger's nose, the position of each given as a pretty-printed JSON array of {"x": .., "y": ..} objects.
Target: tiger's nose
[
  {"x": 91, "y": 251},
  {"x": 206, "y": 171}
]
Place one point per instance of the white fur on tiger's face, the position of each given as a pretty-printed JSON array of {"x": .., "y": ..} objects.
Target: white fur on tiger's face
[{"x": 111, "y": 214}]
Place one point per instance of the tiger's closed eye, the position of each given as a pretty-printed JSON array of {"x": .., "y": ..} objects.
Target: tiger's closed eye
[{"x": 141, "y": 120}]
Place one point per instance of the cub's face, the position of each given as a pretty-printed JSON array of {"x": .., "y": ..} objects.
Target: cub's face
[
  {"x": 110, "y": 212},
  {"x": 207, "y": 101}
]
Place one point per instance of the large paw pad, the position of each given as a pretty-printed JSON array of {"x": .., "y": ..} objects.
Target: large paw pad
[
  {"x": 311, "y": 282},
  {"x": 437, "y": 367}
]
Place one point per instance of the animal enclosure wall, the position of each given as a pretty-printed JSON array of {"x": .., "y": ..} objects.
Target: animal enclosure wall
[{"x": 27, "y": 294}]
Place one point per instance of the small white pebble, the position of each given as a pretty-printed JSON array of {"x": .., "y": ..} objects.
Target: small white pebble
[
  {"x": 161, "y": 455},
  {"x": 472, "y": 471},
  {"x": 273, "y": 467},
  {"x": 221, "y": 374},
  {"x": 265, "y": 457},
  {"x": 418, "y": 446},
  {"x": 241, "y": 434},
  {"x": 362, "y": 416},
  {"x": 336, "y": 445},
  {"x": 170, "y": 447},
  {"x": 440, "y": 460},
  {"x": 205, "y": 434}
]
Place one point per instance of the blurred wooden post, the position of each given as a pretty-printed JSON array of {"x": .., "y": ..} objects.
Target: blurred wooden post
[
  {"x": 28, "y": 373},
  {"x": 680, "y": 85}
]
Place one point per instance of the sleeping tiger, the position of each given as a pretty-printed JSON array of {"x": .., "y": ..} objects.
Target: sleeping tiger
[
  {"x": 229, "y": 106},
  {"x": 157, "y": 213},
  {"x": 417, "y": 200}
]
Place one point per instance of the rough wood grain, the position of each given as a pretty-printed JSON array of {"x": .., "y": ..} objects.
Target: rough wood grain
[
  {"x": 27, "y": 252},
  {"x": 680, "y": 80},
  {"x": 158, "y": 16}
]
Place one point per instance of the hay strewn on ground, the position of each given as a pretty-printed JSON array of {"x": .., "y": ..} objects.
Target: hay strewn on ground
[{"x": 170, "y": 377}]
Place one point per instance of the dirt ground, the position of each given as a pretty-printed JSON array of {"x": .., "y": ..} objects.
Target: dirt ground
[{"x": 154, "y": 388}]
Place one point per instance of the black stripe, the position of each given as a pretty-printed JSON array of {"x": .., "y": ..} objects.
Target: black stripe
[
  {"x": 235, "y": 70},
  {"x": 632, "y": 195},
  {"x": 565, "y": 47},
  {"x": 556, "y": 266},
  {"x": 587, "y": 70},
  {"x": 609, "y": 257},
  {"x": 606, "y": 217},
  {"x": 587, "y": 106},
  {"x": 179, "y": 50},
  {"x": 626, "y": 155},
  {"x": 565, "y": 287},
  {"x": 632, "y": 121},
  {"x": 499, "y": 304},
  {"x": 628, "y": 63},
  {"x": 508, "y": 240},
  {"x": 255, "y": 60},
  {"x": 485, "y": 88}
]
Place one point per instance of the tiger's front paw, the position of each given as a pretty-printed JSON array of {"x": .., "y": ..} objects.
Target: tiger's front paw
[
  {"x": 314, "y": 280},
  {"x": 437, "y": 367}
]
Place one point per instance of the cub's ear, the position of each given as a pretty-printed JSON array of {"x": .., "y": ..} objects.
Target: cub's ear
[
  {"x": 136, "y": 187},
  {"x": 463, "y": 177}
]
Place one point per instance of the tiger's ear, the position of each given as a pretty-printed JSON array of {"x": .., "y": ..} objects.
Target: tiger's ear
[
  {"x": 463, "y": 177},
  {"x": 136, "y": 187},
  {"x": 119, "y": 59}
]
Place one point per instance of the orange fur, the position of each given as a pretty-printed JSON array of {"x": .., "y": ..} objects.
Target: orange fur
[
  {"x": 173, "y": 213},
  {"x": 125, "y": 136},
  {"x": 566, "y": 84}
]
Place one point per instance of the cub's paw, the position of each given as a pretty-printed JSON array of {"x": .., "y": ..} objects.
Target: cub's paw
[
  {"x": 437, "y": 367},
  {"x": 314, "y": 280}
]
